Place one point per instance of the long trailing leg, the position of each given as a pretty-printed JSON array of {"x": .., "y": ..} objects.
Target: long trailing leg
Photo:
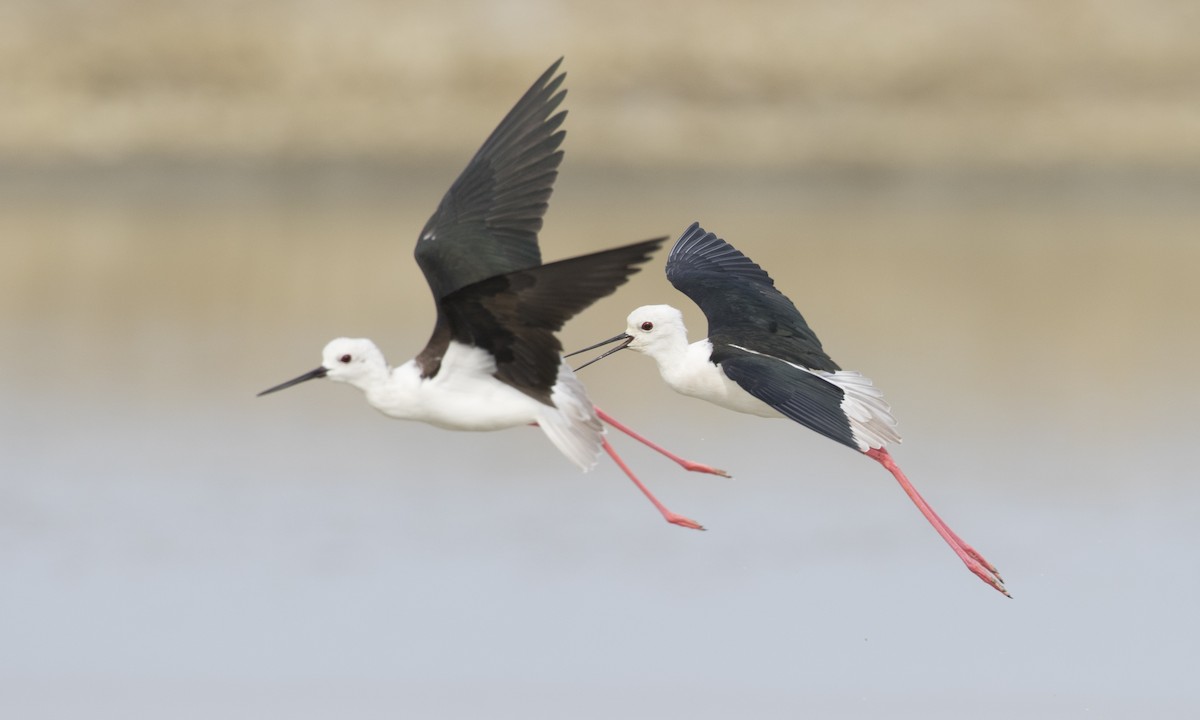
[
  {"x": 688, "y": 465},
  {"x": 667, "y": 514},
  {"x": 670, "y": 517},
  {"x": 921, "y": 502},
  {"x": 975, "y": 562}
]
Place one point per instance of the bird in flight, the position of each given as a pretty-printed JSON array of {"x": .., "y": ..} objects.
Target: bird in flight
[
  {"x": 493, "y": 360},
  {"x": 762, "y": 358}
]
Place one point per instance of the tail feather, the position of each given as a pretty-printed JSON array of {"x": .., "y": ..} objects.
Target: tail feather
[
  {"x": 870, "y": 416},
  {"x": 571, "y": 422}
]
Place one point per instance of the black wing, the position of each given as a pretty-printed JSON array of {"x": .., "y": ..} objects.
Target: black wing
[
  {"x": 487, "y": 223},
  {"x": 740, "y": 300},
  {"x": 809, "y": 400},
  {"x": 514, "y": 316}
]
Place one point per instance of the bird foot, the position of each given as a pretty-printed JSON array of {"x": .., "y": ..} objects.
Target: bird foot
[
  {"x": 681, "y": 521},
  {"x": 702, "y": 468},
  {"x": 980, "y": 566},
  {"x": 974, "y": 555},
  {"x": 987, "y": 574}
]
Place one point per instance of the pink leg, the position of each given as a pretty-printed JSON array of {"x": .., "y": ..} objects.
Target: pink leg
[
  {"x": 670, "y": 516},
  {"x": 925, "y": 506},
  {"x": 974, "y": 561},
  {"x": 961, "y": 543},
  {"x": 685, "y": 464}
]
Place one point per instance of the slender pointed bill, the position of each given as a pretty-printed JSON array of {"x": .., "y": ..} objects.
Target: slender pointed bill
[
  {"x": 624, "y": 337},
  {"x": 310, "y": 375}
]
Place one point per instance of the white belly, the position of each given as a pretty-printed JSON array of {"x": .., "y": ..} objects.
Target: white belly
[
  {"x": 464, "y": 395},
  {"x": 483, "y": 405},
  {"x": 700, "y": 378}
]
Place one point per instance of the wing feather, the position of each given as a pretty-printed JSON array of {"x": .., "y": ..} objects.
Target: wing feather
[
  {"x": 514, "y": 316},
  {"x": 488, "y": 221},
  {"x": 740, "y": 300},
  {"x": 797, "y": 394}
]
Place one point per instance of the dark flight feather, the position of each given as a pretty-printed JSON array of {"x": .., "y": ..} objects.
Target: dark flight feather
[
  {"x": 740, "y": 300},
  {"x": 514, "y": 316},
  {"x": 799, "y": 395},
  {"x": 487, "y": 224}
]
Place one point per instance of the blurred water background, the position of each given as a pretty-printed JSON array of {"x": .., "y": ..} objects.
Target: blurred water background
[{"x": 988, "y": 207}]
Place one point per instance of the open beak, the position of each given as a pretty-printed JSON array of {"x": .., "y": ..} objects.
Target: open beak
[
  {"x": 310, "y": 375},
  {"x": 625, "y": 339}
]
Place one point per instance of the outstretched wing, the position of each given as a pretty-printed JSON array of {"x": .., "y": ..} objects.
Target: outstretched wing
[
  {"x": 514, "y": 316},
  {"x": 740, "y": 300},
  {"x": 812, "y": 401},
  {"x": 487, "y": 223}
]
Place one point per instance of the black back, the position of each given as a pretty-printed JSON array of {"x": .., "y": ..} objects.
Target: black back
[
  {"x": 487, "y": 223},
  {"x": 741, "y": 302},
  {"x": 514, "y": 316}
]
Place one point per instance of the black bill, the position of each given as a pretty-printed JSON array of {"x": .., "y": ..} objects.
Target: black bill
[
  {"x": 310, "y": 375},
  {"x": 625, "y": 339}
]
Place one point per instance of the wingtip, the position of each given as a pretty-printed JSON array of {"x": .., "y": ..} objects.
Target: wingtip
[
  {"x": 644, "y": 248},
  {"x": 701, "y": 250},
  {"x": 658, "y": 241},
  {"x": 695, "y": 234},
  {"x": 651, "y": 246},
  {"x": 552, "y": 78}
]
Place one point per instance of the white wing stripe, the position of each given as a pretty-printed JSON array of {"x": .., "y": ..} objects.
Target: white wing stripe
[{"x": 870, "y": 416}]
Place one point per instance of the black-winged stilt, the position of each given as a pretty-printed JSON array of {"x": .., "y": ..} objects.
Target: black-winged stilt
[
  {"x": 493, "y": 361},
  {"x": 762, "y": 358}
]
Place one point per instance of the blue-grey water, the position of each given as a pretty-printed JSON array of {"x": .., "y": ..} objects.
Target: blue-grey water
[{"x": 172, "y": 546}]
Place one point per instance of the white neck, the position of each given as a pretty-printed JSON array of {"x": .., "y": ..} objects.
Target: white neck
[
  {"x": 397, "y": 392},
  {"x": 686, "y": 368}
]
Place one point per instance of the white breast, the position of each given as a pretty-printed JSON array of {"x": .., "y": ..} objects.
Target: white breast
[
  {"x": 695, "y": 375},
  {"x": 463, "y": 395}
]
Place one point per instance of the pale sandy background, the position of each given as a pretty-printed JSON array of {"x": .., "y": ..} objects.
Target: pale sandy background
[{"x": 989, "y": 207}]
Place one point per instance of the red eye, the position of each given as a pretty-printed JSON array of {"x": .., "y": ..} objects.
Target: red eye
[
  {"x": 647, "y": 326},
  {"x": 345, "y": 359}
]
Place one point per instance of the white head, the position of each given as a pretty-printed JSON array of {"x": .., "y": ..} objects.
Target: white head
[
  {"x": 350, "y": 360},
  {"x": 353, "y": 360},
  {"x": 656, "y": 330}
]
